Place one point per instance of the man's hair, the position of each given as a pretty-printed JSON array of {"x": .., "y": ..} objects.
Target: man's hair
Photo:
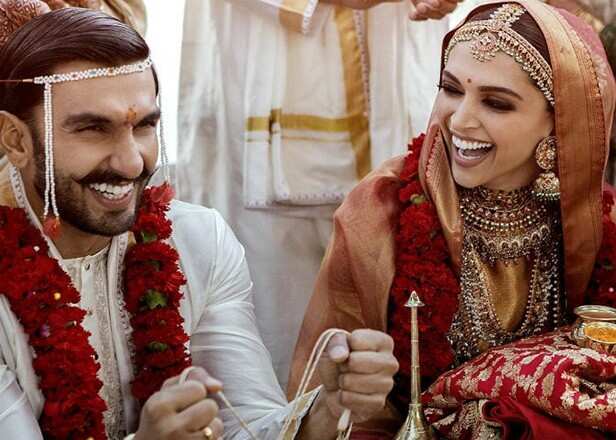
[{"x": 58, "y": 37}]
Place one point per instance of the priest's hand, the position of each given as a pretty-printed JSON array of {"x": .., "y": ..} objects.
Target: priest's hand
[
  {"x": 435, "y": 9},
  {"x": 357, "y": 373},
  {"x": 359, "y": 4},
  {"x": 182, "y": 411}
]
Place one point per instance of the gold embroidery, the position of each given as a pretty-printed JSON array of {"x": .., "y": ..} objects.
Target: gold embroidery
[
  {"x": 292, "y": 14},
  {"x": 356, "y": 100}
]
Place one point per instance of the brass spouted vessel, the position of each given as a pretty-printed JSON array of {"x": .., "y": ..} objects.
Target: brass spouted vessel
[{"x": 415, "y": 426}]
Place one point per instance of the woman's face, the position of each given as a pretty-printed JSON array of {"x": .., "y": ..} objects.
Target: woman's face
[{"x": 493, "y": 116}]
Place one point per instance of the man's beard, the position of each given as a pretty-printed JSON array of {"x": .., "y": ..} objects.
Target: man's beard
[{"x": 72, "y": 206}]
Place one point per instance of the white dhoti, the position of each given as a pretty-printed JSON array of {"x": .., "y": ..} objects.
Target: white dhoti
[{"x": 284, "y": 106}]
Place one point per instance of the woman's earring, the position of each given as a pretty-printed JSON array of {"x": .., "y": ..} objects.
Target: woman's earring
[{"x": 547, "y": 186}]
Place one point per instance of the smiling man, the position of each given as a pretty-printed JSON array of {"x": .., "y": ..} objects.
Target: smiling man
[{"x": 109, "y": 289}]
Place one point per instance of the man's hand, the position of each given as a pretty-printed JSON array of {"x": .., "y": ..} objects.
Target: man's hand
[
  {"x": 436, "y": 9},
  {"x": 359, "y": 4},
  {"x": 181, "y": 411},
  {"x": 357, "y": 373}
]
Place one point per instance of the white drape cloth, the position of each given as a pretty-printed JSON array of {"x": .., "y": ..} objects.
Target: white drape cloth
[
  {"x": 284, "y": 105},
  {"x": 219, "y": 318}
]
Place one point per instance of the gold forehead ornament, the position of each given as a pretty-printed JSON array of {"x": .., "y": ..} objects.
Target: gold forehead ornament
[{"x": 488, "y": 37}]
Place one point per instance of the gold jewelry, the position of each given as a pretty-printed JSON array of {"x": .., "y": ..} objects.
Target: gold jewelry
[
  {"x": 547, "y": 186},
  {"x": 496, "y": 34},
  {"x": 208, "y": 433},
  {"x": 504, "y": 226}
]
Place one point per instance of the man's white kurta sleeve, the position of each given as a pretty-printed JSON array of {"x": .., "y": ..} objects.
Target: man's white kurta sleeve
[
  {"x": 297, "y": 15},
  {"x": 17, "y": 420},
  {"x": 226, "y": 342}
]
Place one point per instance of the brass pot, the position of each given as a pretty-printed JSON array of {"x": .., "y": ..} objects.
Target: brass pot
[{"x": 595, "y": 328}]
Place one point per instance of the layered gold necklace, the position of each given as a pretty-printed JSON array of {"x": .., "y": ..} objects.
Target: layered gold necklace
[{"x": 506, "y": 227}]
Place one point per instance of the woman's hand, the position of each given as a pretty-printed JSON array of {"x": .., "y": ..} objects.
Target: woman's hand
[
  {"x": 357, "y": 373},
  {"x": 182, "y": 411}
]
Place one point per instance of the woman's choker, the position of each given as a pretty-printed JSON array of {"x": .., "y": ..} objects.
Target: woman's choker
[{"x": 505, "y": 225}]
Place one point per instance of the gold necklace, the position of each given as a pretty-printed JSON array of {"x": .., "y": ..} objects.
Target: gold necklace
[{"x": 504, "y": 226}]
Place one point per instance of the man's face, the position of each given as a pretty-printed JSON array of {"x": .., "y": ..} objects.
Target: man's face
[{"x": 105, "y": 148}]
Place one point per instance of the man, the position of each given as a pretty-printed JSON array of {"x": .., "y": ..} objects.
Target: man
[
  {"x": 95, "y": 321},
  {"x": 284, "y": 107}
]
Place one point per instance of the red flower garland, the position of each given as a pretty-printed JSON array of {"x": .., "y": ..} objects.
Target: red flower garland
[
  {"x": 44, "y": 300},
  {"x": 153, "y": 297},
  {"x": 423, "y": 264}
]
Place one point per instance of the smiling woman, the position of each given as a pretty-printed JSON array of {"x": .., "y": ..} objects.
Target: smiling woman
[
  {"x": 495, "y": 220},
  {"x": 480, "y": 102}
]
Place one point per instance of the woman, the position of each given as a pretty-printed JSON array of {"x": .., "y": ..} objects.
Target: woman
[{"x": 497, "y": 220}]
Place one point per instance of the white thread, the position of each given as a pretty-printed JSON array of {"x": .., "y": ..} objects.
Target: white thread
[
  {"x": 222, "y": 397},
  {"x": 344, "y": 425}
]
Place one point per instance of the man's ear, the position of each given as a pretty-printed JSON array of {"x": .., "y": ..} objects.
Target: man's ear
[{"x": 15, "y": 140}]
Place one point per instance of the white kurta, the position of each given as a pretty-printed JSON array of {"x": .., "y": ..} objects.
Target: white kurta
[
  {"x": 284, "y": 106},
  {"x": 219, "y": 318}
]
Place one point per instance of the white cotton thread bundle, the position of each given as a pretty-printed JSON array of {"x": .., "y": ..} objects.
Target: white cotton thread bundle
[{"x": 345, "y": 425}]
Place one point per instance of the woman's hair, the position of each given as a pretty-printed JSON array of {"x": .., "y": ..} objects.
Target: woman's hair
[
  {"x": 525, "y": 26},
  {"x": 58, "y": 37}
]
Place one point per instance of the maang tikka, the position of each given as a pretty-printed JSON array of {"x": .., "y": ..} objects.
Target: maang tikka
[{"x": 547, "y": 186}]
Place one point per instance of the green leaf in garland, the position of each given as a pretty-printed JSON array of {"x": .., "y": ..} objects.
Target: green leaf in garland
[
  {"x": 154, "y": 299},
  {"x": 155, "y": 264},
  {"x": 418, "y": 199},
  {"x": 147, "y": 237},
  {"x": 157, "y": 346}
]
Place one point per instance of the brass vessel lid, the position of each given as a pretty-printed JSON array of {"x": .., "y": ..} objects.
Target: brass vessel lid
[{"x": 595, "y": 313}]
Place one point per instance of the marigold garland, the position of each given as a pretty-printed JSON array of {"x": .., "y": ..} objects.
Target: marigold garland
[
  {"x": 44, "y": 300},
  {"x": 423, "y": 264}
]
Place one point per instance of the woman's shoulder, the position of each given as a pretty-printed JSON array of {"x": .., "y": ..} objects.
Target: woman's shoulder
[{"x": 379, "y": 189}]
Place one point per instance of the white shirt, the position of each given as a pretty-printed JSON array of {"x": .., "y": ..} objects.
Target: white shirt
[{"x": 218, "y": 316}]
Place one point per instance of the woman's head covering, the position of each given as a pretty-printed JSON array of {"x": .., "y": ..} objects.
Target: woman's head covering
[{"x": 583, "y": 90}]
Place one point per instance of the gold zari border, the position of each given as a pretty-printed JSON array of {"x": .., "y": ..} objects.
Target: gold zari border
[{"x": 292, "y": 14}]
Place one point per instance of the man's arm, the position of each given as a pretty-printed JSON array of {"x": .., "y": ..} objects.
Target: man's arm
[{"x": 16, "y": 417}]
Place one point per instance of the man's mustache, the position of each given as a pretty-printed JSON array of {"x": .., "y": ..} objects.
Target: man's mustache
[{"x": 113, "y": 178}]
